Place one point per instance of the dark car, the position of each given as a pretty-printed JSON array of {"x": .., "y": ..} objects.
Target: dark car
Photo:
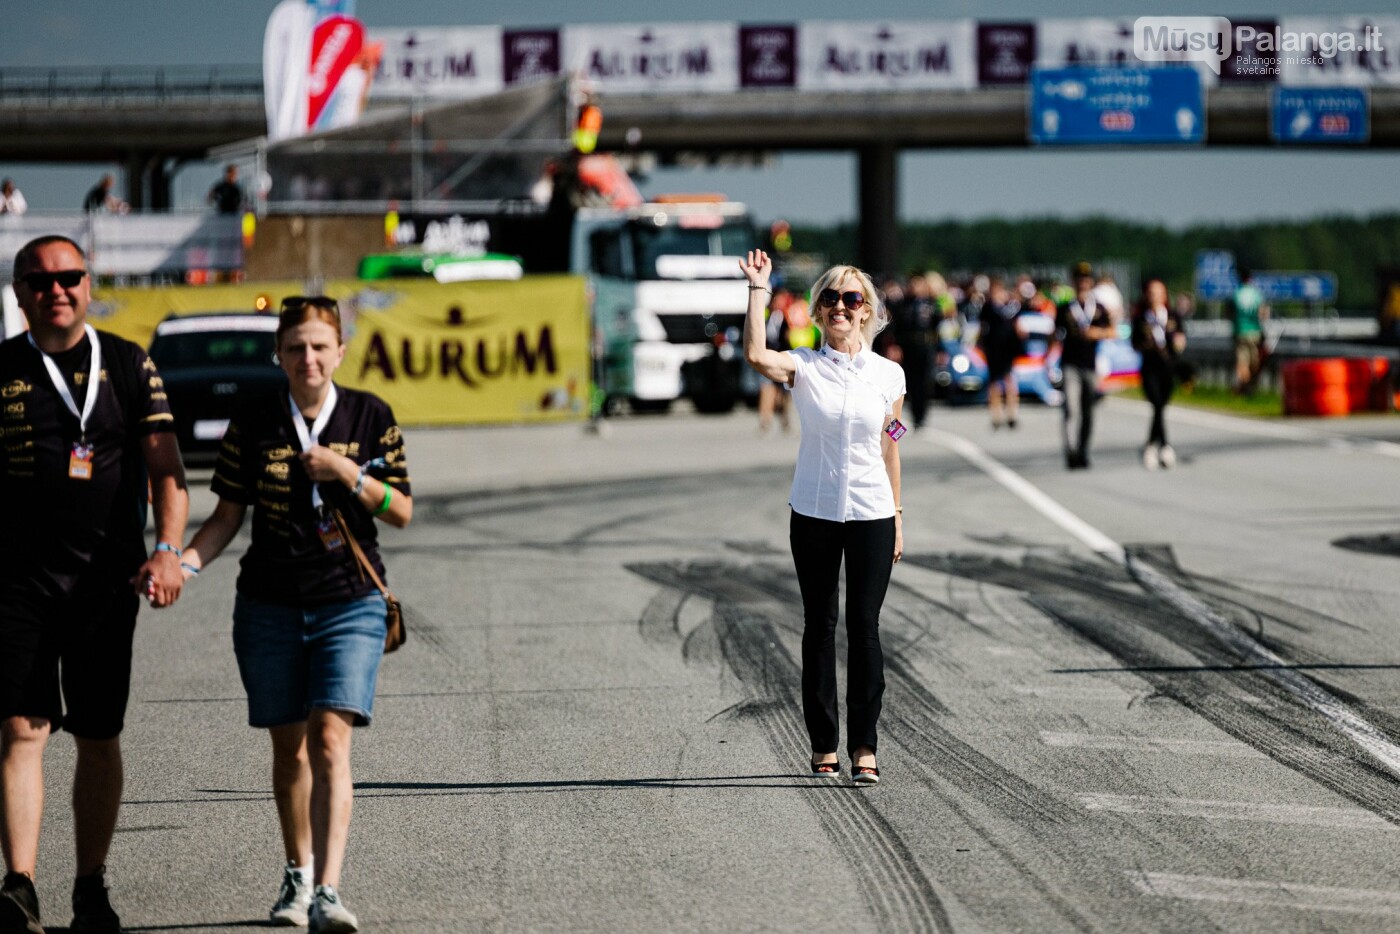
[{"x": 209, "y": 364}]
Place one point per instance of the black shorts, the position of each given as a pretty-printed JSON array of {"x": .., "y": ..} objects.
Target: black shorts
[
  {"x": 999, "y": 367},
  {"x": 68, "y": 660}
]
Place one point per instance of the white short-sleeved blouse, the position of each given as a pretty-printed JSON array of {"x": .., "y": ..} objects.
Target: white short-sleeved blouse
[{"x": 842, "y": 401}]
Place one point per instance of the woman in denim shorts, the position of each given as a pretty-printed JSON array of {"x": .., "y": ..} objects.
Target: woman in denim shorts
[{"x": 308, "y": 625}]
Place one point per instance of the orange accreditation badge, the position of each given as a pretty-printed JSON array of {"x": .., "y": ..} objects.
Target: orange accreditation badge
[
  {"x": 80, "y": 462},
  {"x": 330, "y": 534}
]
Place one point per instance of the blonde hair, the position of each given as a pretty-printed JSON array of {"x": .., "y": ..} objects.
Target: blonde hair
[{"x": 875, "y": 321}]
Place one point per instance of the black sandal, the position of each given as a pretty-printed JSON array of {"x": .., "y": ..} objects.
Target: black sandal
[
  {"x": 864, "y": 774},
  {"x": 827, "y": 769}
]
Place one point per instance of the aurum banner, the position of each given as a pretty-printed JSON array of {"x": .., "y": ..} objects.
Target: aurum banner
[{"x": 459, "y": 354}]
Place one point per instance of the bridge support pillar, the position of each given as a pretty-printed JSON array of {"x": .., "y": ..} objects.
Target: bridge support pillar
[
  {"x": 135, "y": 171},
  {"x": 147, "y": 181},
  {"x": 879, "y": 208}
]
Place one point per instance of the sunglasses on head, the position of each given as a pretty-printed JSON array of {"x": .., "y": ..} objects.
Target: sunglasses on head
[
  {"x": 44, "y": 281},
  {"x": 297, "y": 302},
  {"x": 828, "y": 298}
]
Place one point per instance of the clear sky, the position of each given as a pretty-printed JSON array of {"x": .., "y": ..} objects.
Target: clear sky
[{"x": 1173, "y": 187}]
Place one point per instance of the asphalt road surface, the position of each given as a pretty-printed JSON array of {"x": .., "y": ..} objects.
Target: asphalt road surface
[{"x": 1117, "y": 700}]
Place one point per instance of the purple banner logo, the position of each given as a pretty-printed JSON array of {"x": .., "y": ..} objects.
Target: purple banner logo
[
  {"x": 1005, "y": 53},
  {"x": 767, "y": 56},
  {"x": 530, "y": 54}
]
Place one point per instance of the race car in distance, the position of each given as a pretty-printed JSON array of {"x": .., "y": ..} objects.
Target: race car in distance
[{"x": 959, "y": 369}]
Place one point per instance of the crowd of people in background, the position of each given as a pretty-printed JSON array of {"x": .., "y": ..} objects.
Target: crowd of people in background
[{"x": 995, "y": 315}]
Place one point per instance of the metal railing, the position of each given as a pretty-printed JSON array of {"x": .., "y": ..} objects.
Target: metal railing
[
  {"x": 132, "y": 83},
  {"x": 128, "y": 245}
]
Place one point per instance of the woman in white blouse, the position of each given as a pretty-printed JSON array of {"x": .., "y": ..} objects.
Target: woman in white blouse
[{"x": 845, "y": 498}]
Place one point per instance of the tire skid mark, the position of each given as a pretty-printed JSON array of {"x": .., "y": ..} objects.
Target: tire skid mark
[
  {"x": 1013, "y": 856},
  {"x": 1250, "y": 610},
  {"x": 660, "y": 620},
  {"x": 913, "y": 712},
  {"x": 1149, "y": 639},
  {"x": 972, "y": 772},
  {"x": 898, "y": 893}
]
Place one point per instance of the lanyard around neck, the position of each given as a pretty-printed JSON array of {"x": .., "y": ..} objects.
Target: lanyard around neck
[
  {"x": 849, "y": 366},
  {"x": 1083, "y": 313},
  {"x": 60, "y": 384},
  {"x": 308, "y": 437}
]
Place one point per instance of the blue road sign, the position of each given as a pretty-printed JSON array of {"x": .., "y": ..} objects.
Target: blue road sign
[
  {"x": 1279, "y": 286},
  {"x": 1216, "y": 278},
  {"x": 1320, "y": 115},
  {"x": 1109, "y": 106}
]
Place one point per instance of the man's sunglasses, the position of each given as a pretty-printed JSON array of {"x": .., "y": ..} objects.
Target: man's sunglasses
[
  {"x": 828, "y": 298},
  {"x": 43, "y": 281}
]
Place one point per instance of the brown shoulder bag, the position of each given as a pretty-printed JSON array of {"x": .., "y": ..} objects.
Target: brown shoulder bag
[{"x": 395, "y": 633}]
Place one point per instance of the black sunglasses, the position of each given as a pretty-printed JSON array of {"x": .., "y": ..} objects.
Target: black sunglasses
[
  {"x": 297, "y": 302},
  {"x": 828, "y": 298},
  {"x": 43, "y": 281}
]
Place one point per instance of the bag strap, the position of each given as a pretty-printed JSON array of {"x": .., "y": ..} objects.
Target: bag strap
[{"x": 365, "y": 565}]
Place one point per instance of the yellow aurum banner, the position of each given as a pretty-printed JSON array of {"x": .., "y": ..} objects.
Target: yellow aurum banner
[{"x": 454, "y": 354}]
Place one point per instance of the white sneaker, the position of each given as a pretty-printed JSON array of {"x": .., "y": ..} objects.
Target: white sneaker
[
  {"x": 328, "y": 915},
  {"x": 293, "y": 901},
  {"x": 1168, "y": 456},
  {"x": 1151, "y": 457}
]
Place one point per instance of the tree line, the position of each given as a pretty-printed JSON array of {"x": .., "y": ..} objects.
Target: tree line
[{"x": 1353, "y": 248}]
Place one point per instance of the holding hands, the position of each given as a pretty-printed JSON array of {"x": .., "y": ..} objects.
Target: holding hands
[{"x": 160, "y": 579}]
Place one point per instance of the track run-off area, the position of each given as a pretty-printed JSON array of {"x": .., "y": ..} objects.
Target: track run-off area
[{"x": 1116, "y": 699}]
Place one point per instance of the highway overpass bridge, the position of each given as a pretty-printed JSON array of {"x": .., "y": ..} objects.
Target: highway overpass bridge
[{"x": 152, "y": 119}]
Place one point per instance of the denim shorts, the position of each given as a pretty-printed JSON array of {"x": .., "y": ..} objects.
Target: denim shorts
[{"x": 294, "y": 659}]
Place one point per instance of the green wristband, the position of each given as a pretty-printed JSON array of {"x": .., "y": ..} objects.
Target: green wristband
[{"x": 388, "y": 497}]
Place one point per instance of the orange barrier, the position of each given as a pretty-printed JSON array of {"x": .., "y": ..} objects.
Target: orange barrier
[
  {"x": 1337, "y": 386},
  {"x": 1368, "y": 384}
]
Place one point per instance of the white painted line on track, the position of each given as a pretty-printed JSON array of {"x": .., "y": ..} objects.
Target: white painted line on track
[
  {"x": 1189, "y": 747},
  {"x": 1243, "y": 426},
  {"x": 1287, "y": 895},
  {"x": 1032, "y": 495},
  {"x": 1336, "y": 711},
  {"x": 1297, "y": 814},
  {"x": 1285, "y": 432}
]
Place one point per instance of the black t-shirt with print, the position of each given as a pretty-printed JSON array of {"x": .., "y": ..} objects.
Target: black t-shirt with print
[
  {"x": 287, "y": 562},
  {"x": 57, "y": 528}
]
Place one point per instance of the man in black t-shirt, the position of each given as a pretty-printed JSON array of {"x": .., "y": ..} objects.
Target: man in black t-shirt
[
  {"x": 915, "y": 331},
  {"x": 100, "y": 198},
  {"x": 1080, "y": 324},
  {"x": 83, "y": 421},
  {"x": 226, "y": 195}
]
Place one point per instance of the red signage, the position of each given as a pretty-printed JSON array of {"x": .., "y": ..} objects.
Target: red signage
[
  {"x": 1118, "y": 121},
  {"x": 334, "y": 45},
  {"x": 1334, "y": 124}
]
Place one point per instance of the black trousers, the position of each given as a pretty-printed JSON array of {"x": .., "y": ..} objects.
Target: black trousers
[
  {"x": 1157, "y": 385},
  {"x": 818, "y": 547},
  {"x": 1081, "y": 389}
]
